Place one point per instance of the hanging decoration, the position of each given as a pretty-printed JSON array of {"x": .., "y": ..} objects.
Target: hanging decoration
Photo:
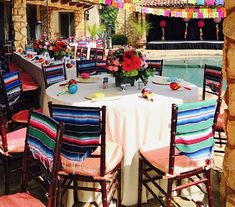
[
  {"x": 217, "y": 21},
  {"x": 201, "y": 24},
  {"x": 163, "y": 25},
  {"x": 186, "y": 20}
]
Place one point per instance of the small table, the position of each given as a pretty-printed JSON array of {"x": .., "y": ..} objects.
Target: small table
[{"x": 132, "y": 121}]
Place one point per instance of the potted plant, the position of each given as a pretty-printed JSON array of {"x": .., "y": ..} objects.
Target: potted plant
[
  {"x": 141, "y": 29},
  {"x": 94, "y": 30}
]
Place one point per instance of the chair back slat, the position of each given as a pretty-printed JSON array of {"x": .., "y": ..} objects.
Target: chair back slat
[
  {"x": 99, "y": 43},
  {"x": 54, "y": 74},
  {"x": 82, "y": 43},
  {"x": 194, "y": 129},
  {"x": 157, "y": 65},
  {"x": 212, "y": 81},
  {"x": 84, "y": 53},
  {"x": 86, "y": 66},
  {"x": 11, "y": 85},
  {"x": 83, "y": 131}
]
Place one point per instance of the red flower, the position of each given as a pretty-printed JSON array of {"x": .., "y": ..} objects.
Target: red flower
[
  {"x": 127, "y": 65},
  {"x": 128, "y": 55},
  {"x": 136, "y": 62}
]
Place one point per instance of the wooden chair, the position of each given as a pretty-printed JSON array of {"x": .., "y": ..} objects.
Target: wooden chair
[
  {"x": 53, "y": 74},
  {"x": 212, "y": 84},
  {"x": 4, "y": 66},
  {"x": 92, "y": 54},
  {"x": 156, "y": 64},
  {"x": 41, "y": 162},
  {"x": 13, "y": 99},
  {"x": 11, "y": 147},
  {"x": 101, "y": 66},
  {"x": 100, "y": 52},
  {"x": 188, "y": 156},
  {"x": 85, "y": 154},
  {"x": 85, "y": 66}
]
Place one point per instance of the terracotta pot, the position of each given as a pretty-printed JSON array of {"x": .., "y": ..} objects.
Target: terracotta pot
[{"x": 141, "y": 42}]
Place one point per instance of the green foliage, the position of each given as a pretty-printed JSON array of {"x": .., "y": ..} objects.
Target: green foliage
[
  {"x": 119, "y": 39},
  {"x": 109, "y": 16},
  {"x": 140, "y": 29},
  {"x": 94, "y": 30}
]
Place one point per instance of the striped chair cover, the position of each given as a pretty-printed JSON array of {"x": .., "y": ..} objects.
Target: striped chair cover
[
  {"x": 100, "y": 54},
  {"x": 41, "y": 138},
  {"x": 86, "y": 66},
  {"x": 219, "y": 2},
  {"x": 11, "y": 86},
  {"x": 156, "y": 65},
  {"x": 101, "y": 66},
  {"x": 194, "y": 129},
  {"x": 82, "y": 131},
  {"x": 54, "y": 74},
  {"x": 99, "y": 43},
  {"x": 92, "y": 54},
  {"x": 213, "y": 79},
  {"x": 82, "y": 43}
]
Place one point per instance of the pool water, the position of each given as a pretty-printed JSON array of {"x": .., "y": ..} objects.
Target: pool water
[{"x": 190, "y": 69}]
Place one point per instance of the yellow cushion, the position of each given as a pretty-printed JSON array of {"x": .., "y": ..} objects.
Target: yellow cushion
[
  {"x": 15, "y": 141},
  {"x": 159, "y": 158},
  {"x": 91, "y": 166},
  {"x": 20, "y": 200}
]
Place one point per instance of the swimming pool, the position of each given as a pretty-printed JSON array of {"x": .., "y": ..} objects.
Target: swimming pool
[{"x": 189, "y": 69}]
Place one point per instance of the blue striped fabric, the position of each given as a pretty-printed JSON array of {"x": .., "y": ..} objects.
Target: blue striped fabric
[
  {"x": 82, "y": 43},
  {"x": 41, "y": 138},
  {"x": 194, "y": 132},
  {"x": 12, "y": 85},
  {"x": 213, "y": 77},
  {"x": 82, "y": 131},
  {"x": 86, "y": 66},
  {"x": 54, "y": 73},
  {"x": 101, "y": 66}
]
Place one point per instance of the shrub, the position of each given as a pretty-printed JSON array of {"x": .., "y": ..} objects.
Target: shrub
[{"x": 119, "y": 39}]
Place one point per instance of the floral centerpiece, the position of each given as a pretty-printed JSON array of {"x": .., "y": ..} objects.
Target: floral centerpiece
[
  {"x": 127, "y": 65},
  {"x": 40, "y": 46},
  {"x": 59, "y": 49}
]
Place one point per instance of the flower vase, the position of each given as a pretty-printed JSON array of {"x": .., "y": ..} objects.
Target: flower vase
[{"x": 125, "y": 80}]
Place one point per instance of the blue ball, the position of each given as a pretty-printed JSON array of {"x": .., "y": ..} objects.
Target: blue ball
[{"x": 73, "y": 88}]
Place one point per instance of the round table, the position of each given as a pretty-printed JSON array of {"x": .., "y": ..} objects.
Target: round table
[{"x": 132, "y": 121}]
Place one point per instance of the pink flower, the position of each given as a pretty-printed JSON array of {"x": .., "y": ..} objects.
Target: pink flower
[
  {"x": 115, "y": 62},
  {"x": 112, "y": 68}
]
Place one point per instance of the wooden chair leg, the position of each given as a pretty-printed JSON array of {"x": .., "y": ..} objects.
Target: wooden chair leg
[
  {"x": 169, "y": 192},
  {"x": 75, "y": 194},
  {"x": 119, "y": 188},
  {"x": 140, "y": 185},
  {"x": 208, "y": 187},
  {"x": 6, "y": 174},
  {"x": 104, "y": 193}
]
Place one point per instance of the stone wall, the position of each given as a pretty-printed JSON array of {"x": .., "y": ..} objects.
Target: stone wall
[
  {"x": 228, "y": 181},
  {"x": 19, "y": 23},
  {"x": 124, "y": 26}
]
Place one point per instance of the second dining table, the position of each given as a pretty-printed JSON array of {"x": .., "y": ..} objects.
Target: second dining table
[{"x": 132, "y": 120}]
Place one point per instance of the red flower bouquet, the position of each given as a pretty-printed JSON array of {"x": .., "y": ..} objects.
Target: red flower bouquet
[
  {"x": 128, "y": 63},
  {"x": 59, "y": 49},
  {"x": 40, "y": 46}
]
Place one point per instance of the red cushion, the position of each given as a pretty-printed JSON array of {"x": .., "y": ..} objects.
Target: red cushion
[
  {"x": 159, "y": 158},
  {"x": 220, "y": 123},
  {"x": 22, "y": 116},
  {"x": 91, "y": 166},
  {"x": 15, "y": 141},
  {"x": 29, "y": 86},
  {"x": 20, "y": 200}
]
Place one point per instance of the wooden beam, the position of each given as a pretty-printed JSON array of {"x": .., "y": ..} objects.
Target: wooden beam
[{"x": 65, "y": 1}]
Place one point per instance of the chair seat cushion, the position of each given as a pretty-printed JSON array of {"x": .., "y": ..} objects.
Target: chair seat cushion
[
  {"x": 22, "y": 116},
  {"x": 29, "y": 86},
  {"x": 20, "y": 200},
  {"x": 220, "y": 123},
  {"x": 159, "y": 158},
  {"x": 15, "y": 141},
  {"x": 91, "y": 166}
]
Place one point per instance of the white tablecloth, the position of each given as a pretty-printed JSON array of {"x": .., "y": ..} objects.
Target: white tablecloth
[
  {"x": 35, "y": 70},
  {"x": 132, "y": 121}
]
